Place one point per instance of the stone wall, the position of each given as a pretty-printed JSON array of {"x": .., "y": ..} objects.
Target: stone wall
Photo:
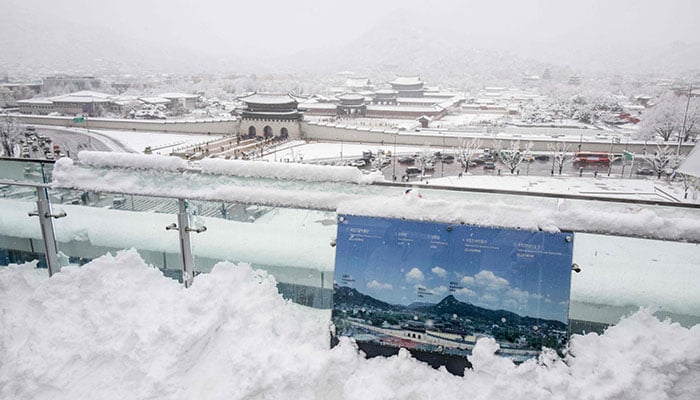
[{"x": 221, "y": 127}]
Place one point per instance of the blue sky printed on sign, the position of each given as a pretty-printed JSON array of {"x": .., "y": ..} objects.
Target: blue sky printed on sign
[{"x": 404, "y": 262}]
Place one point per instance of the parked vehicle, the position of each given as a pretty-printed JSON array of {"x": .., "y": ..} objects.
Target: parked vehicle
[
  {"x": 413, "y": 171},
  {"x": 645, "y": 171},
  {"x": 590, "y": 158},
  {"x": 489, "y": 165}
]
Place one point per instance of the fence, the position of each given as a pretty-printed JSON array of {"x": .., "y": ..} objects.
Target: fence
[{"x": 631, "y": 253}]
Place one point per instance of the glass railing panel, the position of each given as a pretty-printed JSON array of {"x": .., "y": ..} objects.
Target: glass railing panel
[
  {"x": 21, "y": 170},
  {"x": 100, "y": 223},
  {"x": 294, "y": 245},
  {"x": 620, "y": 274},
  {"x": 20, "y": 234}
]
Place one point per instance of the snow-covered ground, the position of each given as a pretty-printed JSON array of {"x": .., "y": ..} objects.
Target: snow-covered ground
[
  {"x": 137, "y": 141},
  {"x": 116, "y": 328},
  {"x": 302, "y": 151},
  {"x": 160, "y": 142}
]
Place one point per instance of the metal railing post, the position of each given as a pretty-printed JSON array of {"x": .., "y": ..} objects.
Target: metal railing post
[
  {"x": 185, "y": 245},
  {"x": 47, "y": 232},
  {"x": 184, "y": 230}
]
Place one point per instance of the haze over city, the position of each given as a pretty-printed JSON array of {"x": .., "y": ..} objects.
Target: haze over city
[{"x": 296, "y": 37}]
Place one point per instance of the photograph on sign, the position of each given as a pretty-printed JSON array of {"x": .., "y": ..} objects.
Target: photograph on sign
[{"x": 438, "y": 288}]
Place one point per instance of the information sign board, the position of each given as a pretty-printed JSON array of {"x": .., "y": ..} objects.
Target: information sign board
[{"x": 438, "y": 288}]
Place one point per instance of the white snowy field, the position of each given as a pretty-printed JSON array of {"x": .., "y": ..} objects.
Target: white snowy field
[
  {"x": 297, "y": 150},
  {"x": 137, "y": 141},
  {"x": 116, "y": 328},
  {"x": 160, "y": 142}
]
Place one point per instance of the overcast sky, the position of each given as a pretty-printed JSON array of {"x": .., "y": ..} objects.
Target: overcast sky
[{"x": 261, "y": 28}]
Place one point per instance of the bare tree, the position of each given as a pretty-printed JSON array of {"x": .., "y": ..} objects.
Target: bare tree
[
  {"x": 467, "y": 151},
  {"x": 560, "y": 154},
  {"x": 513, "y": 156},
  {"x": 9, "y": 135}
]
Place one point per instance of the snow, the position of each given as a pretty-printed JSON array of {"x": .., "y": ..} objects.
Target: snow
[
  {"x": 160, "y": 142},
  {"x": 128, "y": 160},
  {"x": 643, "y": 189},
  {"x": 116, "y": 328},
  {"x": 279, "y": 170},
  {"x": 333, "y": 151},
  {"x": 435, "y": 204},
  {"x": 691, "y": 165}
]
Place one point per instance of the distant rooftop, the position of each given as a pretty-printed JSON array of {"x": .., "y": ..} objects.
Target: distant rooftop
[
  {"x": 406, "y": 80},
  {"x": 178, "y": 96},
  {"x": 268, "y": 98}
]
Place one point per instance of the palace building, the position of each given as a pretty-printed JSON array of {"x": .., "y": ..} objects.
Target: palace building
[
  {"x": 408, "y": 86},
  {"x": 268, "y": 115}
]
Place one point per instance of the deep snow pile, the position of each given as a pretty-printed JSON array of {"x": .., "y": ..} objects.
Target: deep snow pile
[{"x": 116, "y": 328}]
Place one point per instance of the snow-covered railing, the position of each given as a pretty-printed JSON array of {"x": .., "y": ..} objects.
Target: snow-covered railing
[
  {"x": 268, "y": 239},
  {"x": 341, "y": 189}
]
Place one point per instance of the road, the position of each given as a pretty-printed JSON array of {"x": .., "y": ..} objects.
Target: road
[
  {"x": 72, "y": 141},
  {"x": 534, "y": 168}
]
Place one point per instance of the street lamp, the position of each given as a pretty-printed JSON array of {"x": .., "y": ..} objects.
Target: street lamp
[{"x": 393, "y": 160}]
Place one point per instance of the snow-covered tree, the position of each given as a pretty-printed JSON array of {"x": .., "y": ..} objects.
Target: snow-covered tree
[
  {"x": 467, "y": 150},
  {"x": 560, "y": 154},
  {"x": 425, "y": 158},
  {"x": 690, "y": 183},
  {"x": 666, "y": 118},
  {"x": 9, "y": 135},
  {"x": 513, "y": 156},
  {"x": 665, "y": 160}
]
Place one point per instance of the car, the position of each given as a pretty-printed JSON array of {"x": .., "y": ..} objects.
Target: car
[
  {"x": 412, "y": 171},
  {"x": 448, "y": 158},
  {"x": 407, "y": 160},
  {"x": 489, "y": 165},
  {"x": 645, "y": 171}
]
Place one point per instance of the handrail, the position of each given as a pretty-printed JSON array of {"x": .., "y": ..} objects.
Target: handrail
[{"x": 565, "y": 196}]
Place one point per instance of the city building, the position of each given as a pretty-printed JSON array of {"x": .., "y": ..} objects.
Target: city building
[
  {"x": 187, "y": 101},
  {"x": 70, "y": 83},
  {"x": 85, "y": 102}
]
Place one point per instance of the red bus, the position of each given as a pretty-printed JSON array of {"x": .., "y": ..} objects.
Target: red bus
[{"x": 590, "y": 158}]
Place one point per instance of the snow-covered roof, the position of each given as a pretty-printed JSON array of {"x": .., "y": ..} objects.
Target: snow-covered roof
[
  {"x": 268, "y": 98},
  {"x": 179, "y": 96},
  {"x": 317, "y": 106},
  {"x": 154, "y": 100},
  {"x": 84, "y": 96},
  {"x": 42, "y": 100},
  {"x": 691, "y": 165},
  {"x": 417, "y": 109},
  {"x": 387, "y": 92},
  {"x": 351, "y": 97},
  {"x": 406, "y": 80}
]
